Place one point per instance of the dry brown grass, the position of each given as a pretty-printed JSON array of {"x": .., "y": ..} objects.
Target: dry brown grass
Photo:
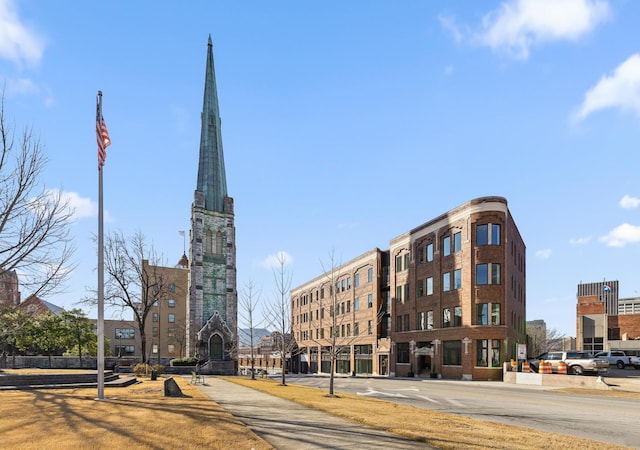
[
  {"x": 134, "y": 417},
  {"x": 441, "y": 430}
]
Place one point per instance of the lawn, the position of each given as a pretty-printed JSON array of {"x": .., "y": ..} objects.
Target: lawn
[{"x": 134, "y": 417}]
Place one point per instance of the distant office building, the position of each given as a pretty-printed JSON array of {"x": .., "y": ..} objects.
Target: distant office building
[
  {"x": 536, "y": 337},
  {"x": 447, "y": 298},
  {"x": 604, "y": 321},
  {"x": 166, "y": 325}
]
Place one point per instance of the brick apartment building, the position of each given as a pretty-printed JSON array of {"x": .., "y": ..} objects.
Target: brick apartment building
[
  {"x": 447, "y": 299},
  {"x": 604, "y": 321}
]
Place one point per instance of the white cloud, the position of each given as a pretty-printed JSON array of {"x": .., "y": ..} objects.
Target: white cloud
[
  {"x": 628, "y": 202},
  {"x": 273, "y": 261},
  {"x": 21, "y": 86},
  {"x": 580, "y": 241},
  {"x": 18, "y": 43},
  {"x": 543, "y": 254},
  {"x": 518, "y": 25},
  {"x": 622, "y": 235},
  {"x": 82, "y": 207},
  {"x": 620, "y": 90}
]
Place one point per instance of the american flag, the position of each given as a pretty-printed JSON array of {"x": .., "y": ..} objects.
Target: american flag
[{"x": 103, "y": 137}]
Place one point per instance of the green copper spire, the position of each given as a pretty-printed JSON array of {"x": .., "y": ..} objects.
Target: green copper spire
[{"x": 212, "y": 180}]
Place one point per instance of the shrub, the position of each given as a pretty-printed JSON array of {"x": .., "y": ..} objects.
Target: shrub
[
  {"x": 183, "y": 362},
  {"x": 144, "y": 370}
]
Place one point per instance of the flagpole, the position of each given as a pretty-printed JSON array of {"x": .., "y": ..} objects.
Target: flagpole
[{"x": 100, "y": 272}]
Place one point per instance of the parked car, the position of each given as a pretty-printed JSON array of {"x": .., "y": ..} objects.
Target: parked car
[
  {"x": 577, "y": 362},
  {"x": 619, "y": 359}
]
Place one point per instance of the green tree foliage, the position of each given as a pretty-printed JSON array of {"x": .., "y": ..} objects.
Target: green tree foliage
[
  {"x": 48, "y": 334},
  {"x": 79, "y": 332}
]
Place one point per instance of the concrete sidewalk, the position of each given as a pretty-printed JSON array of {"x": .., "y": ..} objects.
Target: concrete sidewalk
[{"x": 288, "y": 425}]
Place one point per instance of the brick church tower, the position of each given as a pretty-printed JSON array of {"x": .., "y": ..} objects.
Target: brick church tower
[{"x": 212, "y": 304}]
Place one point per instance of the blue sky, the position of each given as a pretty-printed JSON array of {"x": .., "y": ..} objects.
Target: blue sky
[{"x": 345, "y": 124}]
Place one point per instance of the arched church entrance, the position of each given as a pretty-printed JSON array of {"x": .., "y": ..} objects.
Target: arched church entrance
[{"x": 215, "y": 348}]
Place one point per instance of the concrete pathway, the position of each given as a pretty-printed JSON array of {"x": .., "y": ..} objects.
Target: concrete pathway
[{"x": 288, "y": 425}]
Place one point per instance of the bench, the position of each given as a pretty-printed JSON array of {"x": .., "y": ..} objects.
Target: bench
[{"x": 196, "y": 378}]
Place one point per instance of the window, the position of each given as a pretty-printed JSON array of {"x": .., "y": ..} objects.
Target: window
[
  {"x": 172, "y": 287},
  {"x": 348, "y": 282},
  {"x": 482, "y": 314},
  {"x": 419, "y": 288},
  {"x": 495, "y": 314},
  {"x": 420, "y": 255},
  {"x": 446, "y": 246},
  {"x": 356, "y": 280},
  {"x": 488, "y": 234},
  {"x": 429, "y": 320},
  {"x": 488, "y": 353},
  {"x": 370, "y": 327},
  {"x": 446, "y": 318},
  {"x": 446, "y": 281},
  {"x": 495, "y": 273},
  {"x": 356, "y": 304},
  {"x": 399, "y": 323},
  {"x": 483, "y": 271},
  {"x": 399, "y": 293},
  {"x": 457, "y": 242},
  {"x": 154, "y": 331},
  {"x": 155, "y": 317},
  {"x": 370, "y": 275},
  {"x": 154, "y": 349},
  {"x": 457, "y": 316},
  {"x": 406, "y": 261},
  {"x": 402, "y": 353},
  {"x": 370, "y": 301},
  {"x": 172, "y": 318},
  {"x": 356, "y": 329},
  {"x": 452, "y": 353},
  {"x": 429, "y": 252},
  {"x": 125, "y": 333},
  {"x": 430, "y": 286},
  {"x": 171, "y": 303},
  {"x": 171, "y": 349},
  {"x": 348, "y": 329},
  {"x": 348, "y": 306},
  {"x": 407, "y": 323},
  {"x": 155, "y": 303},
  {"x": 457, "y": 279},
  {"x": 421, "y": 324}
]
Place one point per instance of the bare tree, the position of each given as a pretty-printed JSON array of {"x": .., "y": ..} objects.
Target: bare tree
[
  {"x": 554, "y": 340},
  {"x": 248, "y": 303},
  {"x": 34, "y": 220},
  {"x": 542, "y": 340},
  {"x": 136, "y": 279},
  {"x": 279, "y": 315}
]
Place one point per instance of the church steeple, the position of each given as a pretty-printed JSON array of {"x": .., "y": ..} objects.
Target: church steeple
[{"x": 212, "y": 180}]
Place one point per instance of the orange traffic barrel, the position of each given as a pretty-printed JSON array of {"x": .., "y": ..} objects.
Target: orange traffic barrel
[
  {"x": 545, "y": 367},
  {"x": 525, "y": 366},
  {"x": 514, "y": 365},
  {"x": 562, "y": 368}
]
